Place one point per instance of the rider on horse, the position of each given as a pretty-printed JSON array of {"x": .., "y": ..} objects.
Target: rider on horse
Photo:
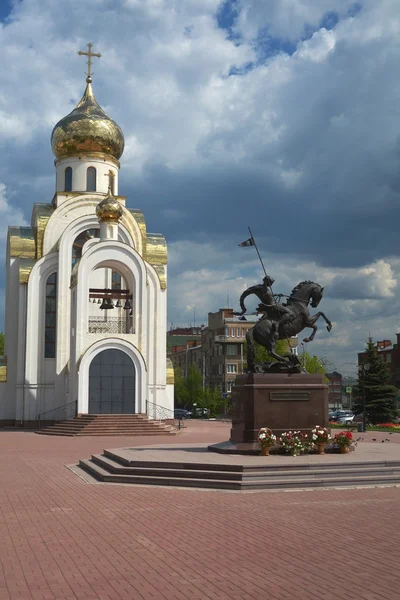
[{"x": 269, "y": 306}]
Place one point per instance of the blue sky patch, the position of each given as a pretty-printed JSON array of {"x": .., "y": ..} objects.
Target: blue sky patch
[
  {"x": 226, "y": 17},
  {"x": 5, "y": 9}
]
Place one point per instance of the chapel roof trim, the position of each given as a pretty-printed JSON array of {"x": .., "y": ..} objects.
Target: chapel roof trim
[{"x": 22, "y": 242}]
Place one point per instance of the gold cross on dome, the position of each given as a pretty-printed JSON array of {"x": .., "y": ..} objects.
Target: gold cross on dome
[
  {"x": 110, "y": 176},
  {"x": 89, "y": 54}
]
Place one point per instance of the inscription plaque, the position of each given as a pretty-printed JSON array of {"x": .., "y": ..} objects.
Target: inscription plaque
[{"x": 289, "y": 396}]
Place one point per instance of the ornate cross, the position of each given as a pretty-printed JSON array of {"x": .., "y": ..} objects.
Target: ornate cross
[
  {"x": 110, "y": 176},
  {"x": 89, "y": 54}
]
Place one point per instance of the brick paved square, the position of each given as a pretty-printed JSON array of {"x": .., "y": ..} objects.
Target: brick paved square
[{"x": 62, "y": 538}]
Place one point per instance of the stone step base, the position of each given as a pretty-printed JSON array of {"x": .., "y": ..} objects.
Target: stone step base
[
  {"x": 112, "y": 467},
  {"x": 108, "y": 425}
]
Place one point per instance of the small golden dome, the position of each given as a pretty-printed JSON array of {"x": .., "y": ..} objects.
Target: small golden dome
[
  {"x": 87, "y": 129},
  {"x": 109, "y": 208}
]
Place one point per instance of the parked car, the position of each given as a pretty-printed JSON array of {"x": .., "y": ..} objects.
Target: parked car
[
  {"x": 181, "y": 413},
  {"x": 347, "y": 418},
  {"x": 202, "y": 413},
  {"x": 338, "y": 414}
]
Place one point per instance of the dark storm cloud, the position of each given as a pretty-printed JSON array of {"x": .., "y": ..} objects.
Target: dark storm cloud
[{"x": 302, "y": 146}]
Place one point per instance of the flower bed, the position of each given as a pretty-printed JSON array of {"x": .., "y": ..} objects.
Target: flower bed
[{"x": 296, "y": 442}]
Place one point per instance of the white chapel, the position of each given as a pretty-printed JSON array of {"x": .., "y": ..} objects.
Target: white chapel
[{"x": 85, "y": 319}]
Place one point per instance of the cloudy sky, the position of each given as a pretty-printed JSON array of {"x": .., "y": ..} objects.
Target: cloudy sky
[{"x": 279, "y": 114}]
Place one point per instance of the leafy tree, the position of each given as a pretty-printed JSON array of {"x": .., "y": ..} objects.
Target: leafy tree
[
  {"x": 180, "y": 389},
  {"x": 188, "y": 390},
  {"x": 261, "y": 355},
  {"x": 312, "y": 364},
  {"x": 1, "y": 344},
  {"x": 194, "y": 386},
  {"x": 214, "y": 401},
  {"x": 373, "y": 380}
]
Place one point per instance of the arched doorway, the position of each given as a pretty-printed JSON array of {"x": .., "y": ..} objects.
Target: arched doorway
[{"x": 112, "y": 383}]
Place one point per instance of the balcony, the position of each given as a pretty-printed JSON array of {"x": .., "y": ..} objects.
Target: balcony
[
  {"x": 221, "y": 339},
  {"x": 100, "y": 325}
]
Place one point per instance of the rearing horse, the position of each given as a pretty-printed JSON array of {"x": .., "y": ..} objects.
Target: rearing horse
[{"x": 268, "y": 330}]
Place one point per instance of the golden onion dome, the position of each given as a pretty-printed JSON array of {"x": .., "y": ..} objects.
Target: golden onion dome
[
  {"x": 87, "y": 129},
  {"x": 109, "y": 209}
]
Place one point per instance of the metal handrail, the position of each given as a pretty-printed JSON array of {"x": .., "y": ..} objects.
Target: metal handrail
[
  {"x": 161, "y": 413},
  {"x": 66, "y": 411}
]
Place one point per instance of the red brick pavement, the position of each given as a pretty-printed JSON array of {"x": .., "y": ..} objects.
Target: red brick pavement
[{"x": 61, "y": 538}]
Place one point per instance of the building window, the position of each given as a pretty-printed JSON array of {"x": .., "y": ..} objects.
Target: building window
[
  {"x": 220, "y": 369},
  {"x": 50, "y": 317},
  {"x": 80, "y": 241},
  {"x": 231, "y": 350},
  {"x": 388, "y": 358},
  {"x": 231, "y": 368},
  {"x": 220, "y": 350},
  {"x": 116, "y": 280},
  {"x": 91, "y": 179},
  {"x": 68, "y": 179}
]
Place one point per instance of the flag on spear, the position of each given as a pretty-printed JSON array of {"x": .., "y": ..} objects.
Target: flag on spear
[{"x": 249, "y": 242}]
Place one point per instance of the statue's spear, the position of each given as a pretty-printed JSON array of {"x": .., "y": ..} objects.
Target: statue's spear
[{"x": 251, "y": 242}]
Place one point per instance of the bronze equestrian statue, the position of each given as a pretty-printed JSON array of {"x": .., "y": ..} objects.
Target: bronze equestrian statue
[{"x": 282, "y": 321}]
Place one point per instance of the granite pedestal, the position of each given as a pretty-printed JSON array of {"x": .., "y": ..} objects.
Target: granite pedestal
[{"x": 280, "y": 401}]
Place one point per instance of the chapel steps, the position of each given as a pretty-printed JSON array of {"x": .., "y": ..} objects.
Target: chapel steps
[
  {"x": 112, "y": 467},
  {"x": 109, "y": 425}
]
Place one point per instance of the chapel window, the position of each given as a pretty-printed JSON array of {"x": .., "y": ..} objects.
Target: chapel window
[
  {"x": 91, "y": 179},
  {"x": 80, "y": 241},
  {"x": 68, "y": 179},
  {"x": 116, "y": 280},
  {"x": 50, "y": 332}
]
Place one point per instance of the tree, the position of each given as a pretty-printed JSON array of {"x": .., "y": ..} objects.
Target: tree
[
  {"x": 180, "y": 389},
  {"x": 261, "y": 355},
  {"x": 373, "y": 381},
  {"x": 312, "y": 364},
  {"x": 214, "y": 401},
  {"x": 188, "y": 390},
  {"x": 1, "y": 344},
  {"x": 194, "y": 386}
]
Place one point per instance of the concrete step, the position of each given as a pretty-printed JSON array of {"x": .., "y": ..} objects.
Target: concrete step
[
  {"x": 104, "y": 475},
  {"x": 107, "y": 425},
  {"x": 206, "y": 482},
  {"x": 113, "y": 467},
  {"x": 205, "y": 473}
]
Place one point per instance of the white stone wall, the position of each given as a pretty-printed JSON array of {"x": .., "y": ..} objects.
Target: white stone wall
[{"x": 37, "y": 384}]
